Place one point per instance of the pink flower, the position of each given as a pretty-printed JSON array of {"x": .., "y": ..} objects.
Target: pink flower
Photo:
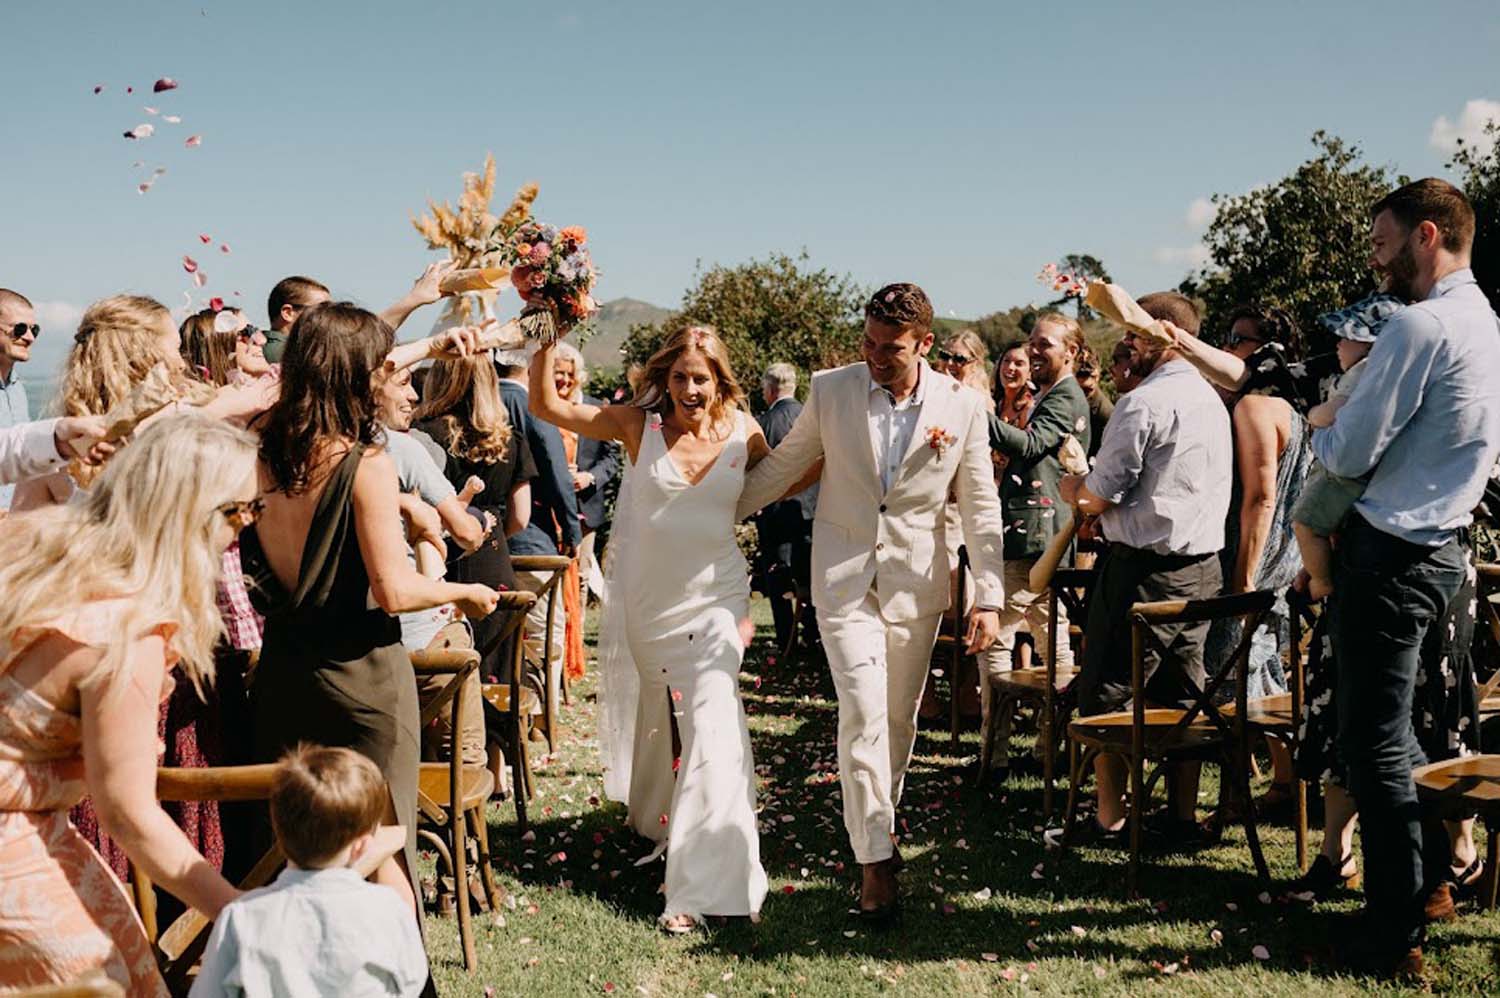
[
  {"x": 521, "y": 278},
  {"x": 538, "y": 280},
  {"x": 539, "y": 254}
]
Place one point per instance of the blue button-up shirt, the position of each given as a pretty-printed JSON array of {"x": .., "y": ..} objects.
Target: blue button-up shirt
[
  {"x": 1425, "y": 416},
  {"x": 1167, "y": 464},
  {"x": 14, "y": 411}
]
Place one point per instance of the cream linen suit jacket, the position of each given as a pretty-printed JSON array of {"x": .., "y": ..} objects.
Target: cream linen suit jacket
[{"x": 893, "y": 540}]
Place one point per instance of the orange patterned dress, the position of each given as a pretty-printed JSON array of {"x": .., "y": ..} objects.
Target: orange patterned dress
[{"x": 62, "y": 912}]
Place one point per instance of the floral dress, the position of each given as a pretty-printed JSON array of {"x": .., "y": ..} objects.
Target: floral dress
[{"x": 63, "y": 914}]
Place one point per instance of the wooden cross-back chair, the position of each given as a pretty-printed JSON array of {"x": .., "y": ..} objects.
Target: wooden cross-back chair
[
  {"x": 180, "y": 945},
  {"x": 508, "y": 697},
  {"x": 1163, "y": 736},
  {"x": 554, "y": 566},
  {"x": 1041, "y": 686},
  {"x": 948, "y": 650},
  {"x": 451, "y": 795}
]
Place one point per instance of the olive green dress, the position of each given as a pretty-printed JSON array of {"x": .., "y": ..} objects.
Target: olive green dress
[{"x": 332, "y": 670}]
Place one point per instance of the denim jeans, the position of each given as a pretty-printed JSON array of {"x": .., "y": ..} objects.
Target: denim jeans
[{"x": 1387, "y": 593}]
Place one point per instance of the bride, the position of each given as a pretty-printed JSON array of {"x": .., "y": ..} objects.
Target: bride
[{"x": 681, "y": 593}]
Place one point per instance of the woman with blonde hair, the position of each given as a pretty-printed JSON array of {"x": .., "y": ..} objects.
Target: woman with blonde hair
[
  {"x": 681, "y": 595},
  {"x": 964, "y": 358},
  {"x": 103, "y": 597},
  {"x": 462, "y": 410}
]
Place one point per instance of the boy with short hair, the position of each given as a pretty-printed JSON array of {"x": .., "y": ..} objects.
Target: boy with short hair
[
  {"x": 1327, "y": 498},
  {"x": 321, "y": 928}
]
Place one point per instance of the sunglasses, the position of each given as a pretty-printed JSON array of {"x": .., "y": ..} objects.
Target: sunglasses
[
  {"x": 962, "y": 360},
  {"x": 1235, "y": 339},
  {"x": 243, "y": 512},
  {"x": 20, "y": 329},
  {"x": 249, "y": 333}
]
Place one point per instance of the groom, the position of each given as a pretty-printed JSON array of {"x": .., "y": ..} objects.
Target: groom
[{"x": 896, "y": 438}]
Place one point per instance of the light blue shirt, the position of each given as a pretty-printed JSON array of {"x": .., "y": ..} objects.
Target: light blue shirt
[
  {"x": 416, "y": 471},
  {"x": 1425, "y": 416},
  {"x": 892, "y": 424},
  {"x": 314, "y": 933},
  {"x": 14, "y": 410},
  {"x": 1166, "y": 462}
]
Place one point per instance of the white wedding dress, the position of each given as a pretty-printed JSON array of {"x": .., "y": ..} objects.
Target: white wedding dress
[{"x": 677, "y": 587}]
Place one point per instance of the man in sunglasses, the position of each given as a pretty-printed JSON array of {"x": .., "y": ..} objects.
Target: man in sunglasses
[{"x": 18, "y": 330}]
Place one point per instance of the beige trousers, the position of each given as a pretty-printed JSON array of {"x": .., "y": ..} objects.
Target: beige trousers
[
  {"x": 1023, "y": 610},
  {"x": 879, "y": 667}
]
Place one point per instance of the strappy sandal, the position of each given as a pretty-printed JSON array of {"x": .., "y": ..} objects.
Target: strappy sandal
[
  {"x": 1466, "y": 885},
  {"x": 1321, "y": 879}
]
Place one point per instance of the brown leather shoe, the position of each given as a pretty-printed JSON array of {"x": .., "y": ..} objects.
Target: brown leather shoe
[
  {"x": 884, "y": 914},
  {"x": 1439, "y": 906}
]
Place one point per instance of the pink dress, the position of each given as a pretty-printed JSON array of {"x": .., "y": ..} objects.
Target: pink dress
[{"x": 62, "y": 912}]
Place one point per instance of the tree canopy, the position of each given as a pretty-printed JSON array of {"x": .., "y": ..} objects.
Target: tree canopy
[{"x": 1479, "y": 168}]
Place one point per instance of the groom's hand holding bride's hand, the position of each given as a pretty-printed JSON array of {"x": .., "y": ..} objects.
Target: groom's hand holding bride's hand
[{"x": 984, "y": 628}]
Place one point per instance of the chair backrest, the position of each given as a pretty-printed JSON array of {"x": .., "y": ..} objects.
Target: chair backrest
[
  {"x": 1252, "y": 609},
  {"x": 516, "y": 604},
  {"x": 180, "y": 946},
  {"x": 1489, "y": 610},
  {"x": 458, "y": 664}
]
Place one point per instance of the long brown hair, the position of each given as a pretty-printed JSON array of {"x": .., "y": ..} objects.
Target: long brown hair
[
  {"x": 326, "y": 390},
  {"x": 463, "y": 394},
  {"x": 208, "y": 351},
  {"x": 652, "y": 395}
]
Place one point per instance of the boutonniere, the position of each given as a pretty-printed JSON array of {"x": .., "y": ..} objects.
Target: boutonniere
[{"x": 940, "y": 439}]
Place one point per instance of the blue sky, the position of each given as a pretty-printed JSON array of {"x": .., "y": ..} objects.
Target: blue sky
[{"x": 960, "y": 145}]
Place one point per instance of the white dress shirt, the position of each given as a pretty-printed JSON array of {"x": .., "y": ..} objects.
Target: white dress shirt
[
  {"x": 892, "y": 424},
  {"x": 314, "y": 933},
  {"x": 26, "y": 451}
]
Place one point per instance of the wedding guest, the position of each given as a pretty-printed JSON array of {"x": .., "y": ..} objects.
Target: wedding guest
[
  {"x": 1160, "y": 487},
  {"x": 84, "y": 670},
  {"x": 963, "y": 358},
  {"x": 18, "y": 331},
  {"x": 288, "y": 299},
  {"x": 330, "y": 568},
  {"x": 553, "y": 527},
  {"x": 1030, "y": 498},
  {"x": 206, "y": 348},
  {"x": 784, "y": 528},
  {"x": 1101, "y": 407},
  {"x": 588, "y": 460},
  {"x": 1122, "y": 370},
  {"x": 1424, "y": 423},
  {"x": 1264, "y": 354},
  {"x": 1014, "y": 391},
  {"x": 463, "y": 413},
  {"x": 321, "y": 928}
]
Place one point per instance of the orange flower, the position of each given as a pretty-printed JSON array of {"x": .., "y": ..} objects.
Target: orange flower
[{"x": 575, "y": 234}]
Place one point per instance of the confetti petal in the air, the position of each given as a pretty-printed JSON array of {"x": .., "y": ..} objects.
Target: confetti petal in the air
[
  {"x": 99, "y": 88},
  {"x": 142, "y": 188},
  {"x": 130, "y": 90},
  {"x": 205, "y": 240},
  {"x": 171, "y": 119},
  {"x": 224, "y": 322},
  {"x": 217, "y": 304},
  {"x": 137, "y": 164},
  {"x": 193, "y": 140},
  {"x": 163, "y": 84},
  {"x": 151, "y": 110},
  {"x": 142, "y": 131},
  {"x": 190, "y": 265},
  {"x": 200, "y": 279},
  {"x": 223, "y": 247}
]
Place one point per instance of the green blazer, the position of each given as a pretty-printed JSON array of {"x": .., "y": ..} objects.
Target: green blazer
[{"x": 1029, "y": 485}]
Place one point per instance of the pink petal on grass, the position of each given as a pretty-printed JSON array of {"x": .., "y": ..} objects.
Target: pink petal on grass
[
  {"x": 1261, "y": 953},
  {"x": 193, "y": 140},
  {"x": 164, "y": 84}
]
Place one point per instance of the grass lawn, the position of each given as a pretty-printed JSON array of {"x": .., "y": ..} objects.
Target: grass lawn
[{"x": 979, "y": 917}]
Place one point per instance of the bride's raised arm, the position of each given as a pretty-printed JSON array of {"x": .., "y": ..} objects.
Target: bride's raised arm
[{"x": 600, "y": 422}]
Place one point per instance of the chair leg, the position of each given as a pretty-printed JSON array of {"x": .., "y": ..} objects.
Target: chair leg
[
  {"x": 1492, "y": 860},
  {"x": 457, "y": 836},
  {"x": 481, "y": 830},
  {"x": 1076, "y": 763},
  {"x": 1137, "y": 807},
  {"x": 987, "y": 740},
  {"x": 1299, "y": 797},
  {"x": 520, "y": 783},
  {"x": 1252, "y": 834}
]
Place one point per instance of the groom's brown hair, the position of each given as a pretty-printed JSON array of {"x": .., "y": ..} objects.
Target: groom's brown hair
[{"x": 904, "y": 306}]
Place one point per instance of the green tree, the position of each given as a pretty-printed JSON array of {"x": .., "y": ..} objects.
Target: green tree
[
  {"x": 1300, "y": 243},
  {"x": 776, "y": 309},
  {"x": 1480, "y": 169}
]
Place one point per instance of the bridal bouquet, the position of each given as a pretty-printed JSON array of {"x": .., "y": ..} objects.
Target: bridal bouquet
[{"x": 552, "y": 271}]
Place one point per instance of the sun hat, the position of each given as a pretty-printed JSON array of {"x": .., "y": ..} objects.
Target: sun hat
[{"x": 1361, "y": 321}]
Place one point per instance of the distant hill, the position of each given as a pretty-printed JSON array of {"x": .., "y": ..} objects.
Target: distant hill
[{"x": 601, "y": 351}]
